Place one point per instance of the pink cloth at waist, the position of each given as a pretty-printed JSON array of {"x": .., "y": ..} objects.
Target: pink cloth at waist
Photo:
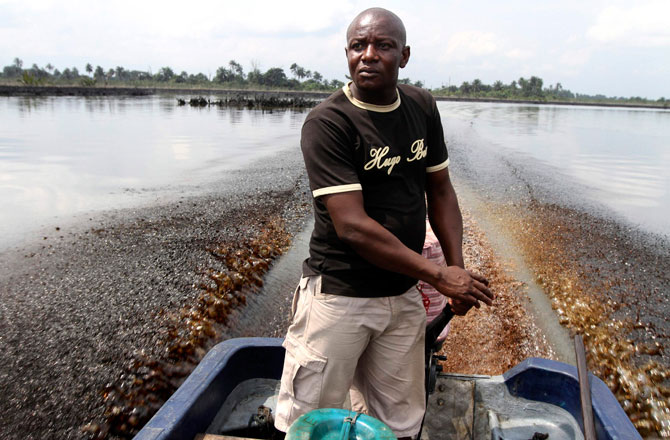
[{"x": 433, "y": 300}]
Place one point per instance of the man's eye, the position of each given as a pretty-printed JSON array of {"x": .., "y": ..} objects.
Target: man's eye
[
  {"x": 357, "y": 46},
  {"x": 384, "y": 45}
]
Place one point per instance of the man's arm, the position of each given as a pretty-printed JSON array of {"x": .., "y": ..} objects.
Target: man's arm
[{"x": 379, "y": 246}]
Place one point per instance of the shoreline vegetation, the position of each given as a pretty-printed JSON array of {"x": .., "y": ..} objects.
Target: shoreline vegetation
[
  {"x": 283, "y": 95},
  {"x": 50, "y": 81}
]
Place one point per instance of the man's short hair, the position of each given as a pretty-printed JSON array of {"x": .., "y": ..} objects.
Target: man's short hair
[{"x": 386, "y": 14}]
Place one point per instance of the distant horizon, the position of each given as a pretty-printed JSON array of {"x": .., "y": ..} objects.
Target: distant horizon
[
  {"x": 82, "y": 72},
  {"x": 607, "y": 47}
]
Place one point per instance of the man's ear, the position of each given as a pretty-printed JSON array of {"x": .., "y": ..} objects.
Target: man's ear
[{"x": 405, "y": 56}]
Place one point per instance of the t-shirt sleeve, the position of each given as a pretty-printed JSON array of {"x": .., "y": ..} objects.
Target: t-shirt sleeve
[
  {"x": 438, "y": 158},
  {"x": 329, "y": 158}
]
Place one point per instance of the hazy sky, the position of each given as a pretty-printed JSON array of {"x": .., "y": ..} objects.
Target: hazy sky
[{"x": 618, "y": 48}]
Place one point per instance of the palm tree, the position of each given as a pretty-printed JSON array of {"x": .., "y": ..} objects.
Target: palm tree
[
  {"x": 120, "y": 73},
  {"x": 299, "y": 71},
  {"x": 476, "y": 85}
]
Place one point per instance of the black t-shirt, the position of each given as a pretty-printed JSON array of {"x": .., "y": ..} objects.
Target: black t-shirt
[{"x": 384, "y": 151}]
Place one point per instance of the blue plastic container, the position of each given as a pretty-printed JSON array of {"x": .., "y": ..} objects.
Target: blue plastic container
[{"x": 338, "y": 424}]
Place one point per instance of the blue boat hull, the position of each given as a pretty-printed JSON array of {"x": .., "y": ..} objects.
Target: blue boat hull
[{"x": 194, "y": 405}]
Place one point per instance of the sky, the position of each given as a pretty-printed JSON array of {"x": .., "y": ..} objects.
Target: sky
[{"x": 610, "y": 47}]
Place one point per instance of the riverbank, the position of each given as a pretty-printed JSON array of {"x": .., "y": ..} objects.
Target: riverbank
[
  {"x": 52, "y": 90},
  {"x": 664, "y": 106},
  {"x": 18, "y": 90}
]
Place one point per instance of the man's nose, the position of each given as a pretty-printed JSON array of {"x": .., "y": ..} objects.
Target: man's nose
[{"x": 370, "y": 52}]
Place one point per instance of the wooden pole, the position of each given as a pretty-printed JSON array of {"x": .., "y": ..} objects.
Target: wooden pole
[{"x": 584, "y": 390}]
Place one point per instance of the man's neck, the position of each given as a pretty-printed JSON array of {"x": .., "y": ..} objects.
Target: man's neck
[{"x": 386, "y": 97}]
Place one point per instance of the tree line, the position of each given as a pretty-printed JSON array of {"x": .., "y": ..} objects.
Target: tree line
[
  {"x": 532, "y": 89},
  {"x": 233, "y": 75}
]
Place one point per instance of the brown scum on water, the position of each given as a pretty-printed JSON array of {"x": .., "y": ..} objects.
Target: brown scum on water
[
  {"x": 491, "y": 340},
  {"x": 495, "y": 338},
  {"x": 81, "y": 307},
  {"x": 148, "y": 381},
  {"x": 611, "y": 290}
]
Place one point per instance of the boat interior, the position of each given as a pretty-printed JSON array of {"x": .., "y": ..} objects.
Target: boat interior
[{"x": 462, "y": 407}]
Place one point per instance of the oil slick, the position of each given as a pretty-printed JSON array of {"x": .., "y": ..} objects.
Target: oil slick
[
  {"x": 148, "y": 382},
  {"x": 596, "y": 292}
]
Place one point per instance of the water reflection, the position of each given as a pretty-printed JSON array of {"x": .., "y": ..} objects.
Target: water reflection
[
  {"x": 26, "y": 105},
  {"x": 298, "y": 117},
  {"x": 635, "y": 182},
  {"x": 234, "y": 114},
  {"x": 622, "y": 155},
  {"x": 181, "y": 149},
  {"x": 63, "y": 155},
  {"x": 167, "y": 105}
]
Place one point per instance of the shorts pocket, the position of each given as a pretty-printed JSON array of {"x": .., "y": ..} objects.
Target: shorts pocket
[
  {"x": 303, "y": 371},
  {"x": 320, "y": 296}
]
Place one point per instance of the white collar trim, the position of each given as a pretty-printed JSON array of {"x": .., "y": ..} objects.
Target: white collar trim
[{"x": 371, "y": 107}]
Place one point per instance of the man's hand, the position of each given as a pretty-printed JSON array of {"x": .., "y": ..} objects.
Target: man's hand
[
  {"x": 380, "y": 247},
  {"x": 459, "y": 308},
  {"x": 466, "y": 288}
]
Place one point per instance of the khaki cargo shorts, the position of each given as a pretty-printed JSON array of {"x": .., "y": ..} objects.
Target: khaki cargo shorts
[{"x": 373, "y": 346}]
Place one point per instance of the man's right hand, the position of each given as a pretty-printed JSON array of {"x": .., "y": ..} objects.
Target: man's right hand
[{"x": 464, "y": 286}]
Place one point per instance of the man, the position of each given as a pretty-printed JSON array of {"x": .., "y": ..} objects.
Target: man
[{"x": 375, "y": 154}]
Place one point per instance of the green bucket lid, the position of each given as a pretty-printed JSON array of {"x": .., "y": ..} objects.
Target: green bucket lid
[{"x": 338, "y": 424}]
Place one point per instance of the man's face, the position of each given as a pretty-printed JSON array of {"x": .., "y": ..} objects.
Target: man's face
[{"x": 375, "y": 52}]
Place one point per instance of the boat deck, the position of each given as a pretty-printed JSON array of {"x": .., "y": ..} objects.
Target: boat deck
[
  {"x": 461, "y": 408},
  {"x": 481, "y": 407}
]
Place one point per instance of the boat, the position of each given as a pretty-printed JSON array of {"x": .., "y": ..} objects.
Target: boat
[{"x": 232, "y": 393}]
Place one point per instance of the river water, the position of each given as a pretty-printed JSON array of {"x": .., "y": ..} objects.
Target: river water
[
  {"x": 615, "y": 157},
  {"x": 66, "y": 156},
  {"x": 61, "y": 156}
]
